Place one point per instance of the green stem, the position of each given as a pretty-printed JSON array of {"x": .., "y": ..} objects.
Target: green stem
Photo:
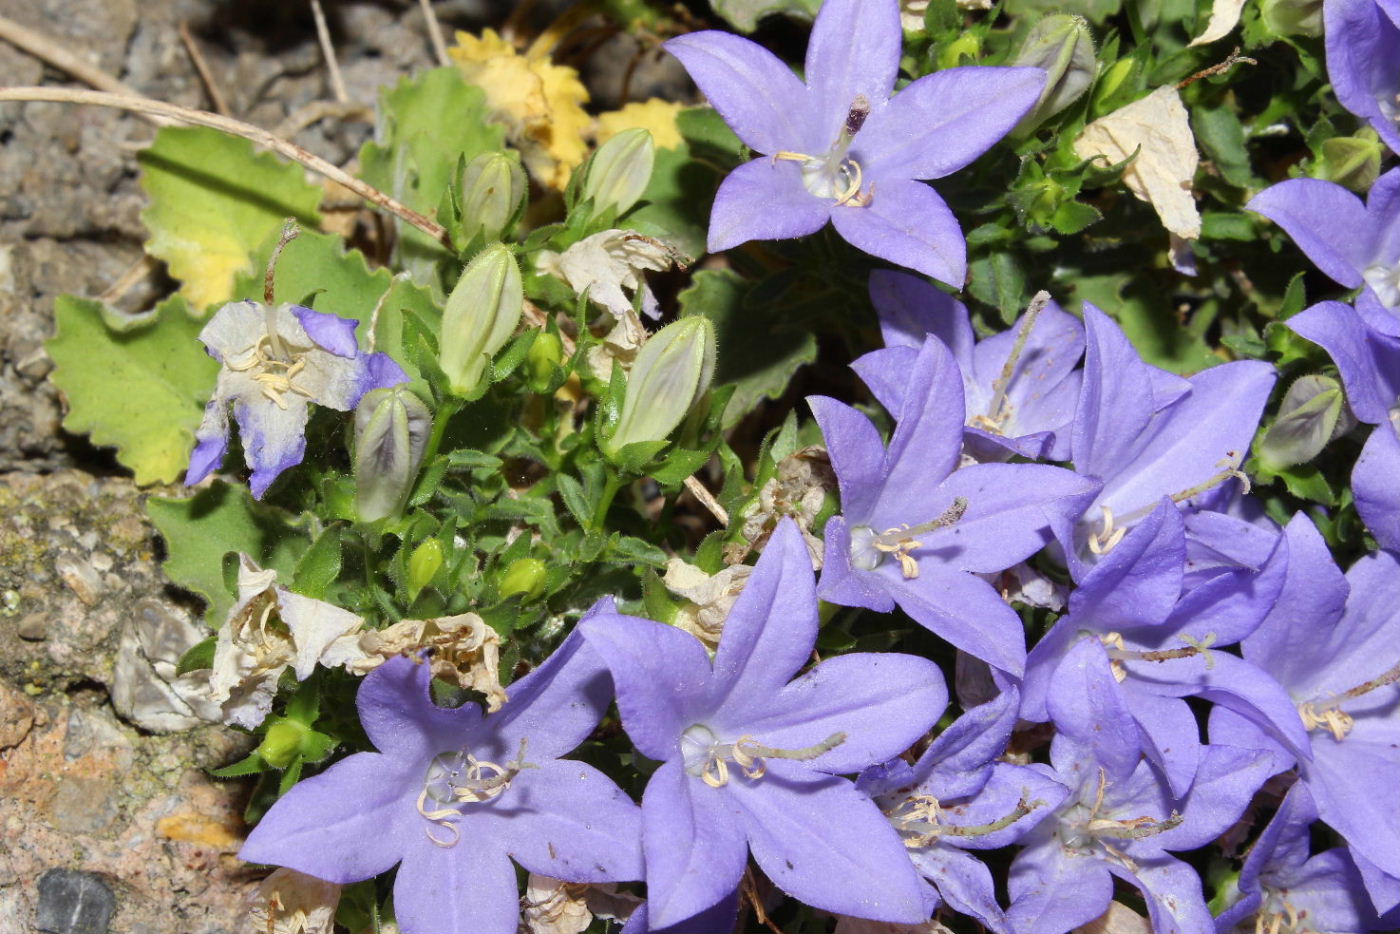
[
  {"x": 446, "y": 409},
  {"x": 614, "y": 483}
]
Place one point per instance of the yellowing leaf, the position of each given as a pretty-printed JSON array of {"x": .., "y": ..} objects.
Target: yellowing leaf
[
  {"x": 655, "y": 115},
  {"x": 141, "y": 389},
  {"x": 540, "y": 103},
  {"x": 213, "y": 201},
  {"x": 1158, "y": 130}
]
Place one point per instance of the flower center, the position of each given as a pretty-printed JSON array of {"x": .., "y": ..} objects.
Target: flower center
[
  {"x": 868, "y": 549},
  {"x": 1384, "y": 280},
  {"x": 834, "y": 174},
  {"x": 457, "y": 779},
  {"x": 1081, "y": 828},
  {"x": 272, "y": 371},
  {"x": 706, "y": 757},
  {"x": 1279, "y": 917},
  {"x": 918, "y": 818},
  {"x": 1111, "y": 530},
  {"x": 1328, "y": 714},
  {"x": 1118, "y": 652}
]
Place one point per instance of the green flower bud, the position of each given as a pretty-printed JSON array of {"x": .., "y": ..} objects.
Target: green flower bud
[
  {"x": 493, "y": 190},
  {"x": 424, "y": 564},
  {"x": 543, "y": 360},
  {"x": 1292, "y": 17},
  {"x": 391, "y": 433},
  {"x": 524, "y": 576},
  {"x": 620, "y": 170},
  {"x": 282, "y": 743},
  {"x": 967, "y": 45},
  {"x": 1351, "y": 161},
  {"x": 1063, "y": 47},
  {"x": 672, "y": 371},
  {"x": 482, "y": 312},
  {"x": 1311, "y": 414}
]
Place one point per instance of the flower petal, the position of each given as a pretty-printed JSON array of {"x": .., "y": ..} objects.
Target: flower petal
[
  {"x": 693, "y": 838},
  {"x": 1088, "y": 705},
  {"x": 756, "y": 94},
  {"x": 857, "y": 454},
  {"x": 558, "y": 704},
  {"x": 1373, "y": 483},
  {"x": 883, "y": 703},
  {"x": 400, "y": 718},
  {"x": 906, "y": 222},
  {"x": 962, "y": 609},
  {"x": 825, "y": 843},
  {"x": 274, "y": 438},
  {"x": 927, "y": 439},
  {"x": 330, "y": 332},
  {"x": 764, "y": 200},
  {"x": 854, "y": 49},
  {"x": 1327, "y": 222},
  {"x": 1368, "y": 362},
  {"x": 1363, "y": 57},
  {"x": 943, "y": 121},
  {"x": 211, "y": 440},
  {"x": 841, "y": 582},
  {"x": 1344, "y": 778},
  {"x": 1052, "y": 890},
  {"x": 1139, "y": 581},
  {"x": 469, "y": 887},
  {"x": 910, "y": 309},
  {"x": 1172, "y": 890},
  {"x": 965, "y": 883},
  {"x": 321, "y": 826}
]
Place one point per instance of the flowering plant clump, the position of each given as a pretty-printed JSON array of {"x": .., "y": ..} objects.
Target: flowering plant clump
[{"x": 635, "y": 551}]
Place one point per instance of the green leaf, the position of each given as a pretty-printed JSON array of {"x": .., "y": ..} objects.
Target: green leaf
[
  {"x": 141, "y": 390},
  {"x": 319, "y": 565},
  {"x": 200, "y": 530},
  {"x": 1222, "y": 136},
  {"x": 1000, "y": 281},
  {"x": 758, "y": 347},
  {"x": 213, "y": 201},
  {"x": 578, "y": 504},
  {"x": 427, "y": 124},
  {"x": 250, "y": 765},
  {"x": 197, "y": 657},
  {"x": 638, "y": 552}
]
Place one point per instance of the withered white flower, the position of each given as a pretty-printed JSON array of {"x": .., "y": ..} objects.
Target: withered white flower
[
  {"x": 268, "y": 630},
  {"x": 606, "y": 263},
  {"x": 709, "y": 597},
  {"x": 291, "y": 902},
  {"x": 465, "y": 650},
  {"x": 553, "y": 906}
]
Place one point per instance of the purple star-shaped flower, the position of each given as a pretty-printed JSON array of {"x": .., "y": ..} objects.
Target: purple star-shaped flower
[
  {"x": 1020, "y": 387},
  {"x": 1281, "y": 888},
  {"x": 1141, "y": 634},
  {"x": 840, "y": 147},
  {"x": 916, "y": 530},
  {"x": 1363, "y": 59},
  {"x": 957, "y": 797},
  {"x": 1355, "y": 244},
  {"x": 453, "y": 797},
  {"x": 1147, "y": 434},
  {"x": 276, "y": 362},
  {"x": 750, "y": 758},
  {"x": 1368, "y": 360},
  {"x": 1124, "y": 824},
  {"x": 1333, "y": 642}
]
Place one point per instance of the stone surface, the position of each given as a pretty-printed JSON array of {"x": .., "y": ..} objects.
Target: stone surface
[{"x": 74, "y": 902}]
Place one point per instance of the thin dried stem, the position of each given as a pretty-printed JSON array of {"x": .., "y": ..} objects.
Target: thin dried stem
[
  {"x": 707, "y": 499},
  {"x": 47, "y": 50},
  {"x": 216, "y": 97},
  {"x": 234, "y": 127},
  {"x": 435, "y": 33},
  {"x": 135, "y": 273},
  {"x": 323, "y": 36}
]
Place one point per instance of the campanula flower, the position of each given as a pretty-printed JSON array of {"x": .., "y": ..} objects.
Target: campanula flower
[{"x": 1363, "y": 59}]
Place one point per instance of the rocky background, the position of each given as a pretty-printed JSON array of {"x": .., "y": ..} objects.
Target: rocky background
[{"x": 108, "y": 820}]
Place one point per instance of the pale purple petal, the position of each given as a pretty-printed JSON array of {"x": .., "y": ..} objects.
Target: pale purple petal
[
  {"x": 1227, "y": 728},
  {"x": 1172, "y": 890},
  {"x": 472, "y": 887},
  {"x": 1345, "y": 778},
  {"x": 771, "y": 628},
  {"x": 1087, "y": 704},
  {"x": 233, "y": 330},
  {"x": 854, "y": 49},
  {"x": 965, "y": 883},
  {"x": 764, "y": 200},
  {"x": 1383, "y": 888},
  {"x": 399, "y": 717},
  {"x": 756, "y": 94},
  {"x": 330, "y": 332},
  {"x": 1115, "y": 402},
  {"x": 854, "y": 864},
  {"x": 959, "y": 762},
  {"x": 1363, "y": 58},
  {"x": 910, "y": 309},
  {"x": 844, "y": 584},
  {"x": 1139, "y": 582},
  {"x": 320, "y": 827},
  {"x": 886, "y": 371},
  {"x": 927, "y": 437},
  {"x": 907, "y": 223},
  {"x": 661, "y": 674},
  {"x": 1374, "y": 485},
  {"x": 274, "y": 439},
  {"x": 1226, "y": 780},
  {"x": 211, "y": 441},
  {"x": 962, "y": 609},
  {"x": 1054, "y": 891},
  {"x": 1328, "y": 223},
  {"x": 965, "y": 109},
  {"x": 693, "y": 837},
  {"x": 882, "y": 701},
  {"x": 381, "y": 371},
  {"x": 1369, "y": 363},
  {"x": 557, "y": 705},
  {"x": 856, "y": 451},
  {"x": 1227, "y": 606},
  {"x": 1171, "y": 739},
  {"x": 562, "y": 819}
]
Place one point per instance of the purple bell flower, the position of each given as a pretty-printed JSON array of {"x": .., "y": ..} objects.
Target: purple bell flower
[
  {"x": 1363, "y": 59},
  {"x": 276, "y": 362},
  {"x": 750, "y": 757},
  {"x": 844, "y": 147},
  {"x": 453, "y": 797}
]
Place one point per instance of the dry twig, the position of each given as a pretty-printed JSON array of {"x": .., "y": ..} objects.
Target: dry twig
[
  {"x": 216, "y": 97},
  {"x": 323, "y": 36}
]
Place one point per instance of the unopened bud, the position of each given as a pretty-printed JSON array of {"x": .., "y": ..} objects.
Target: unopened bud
[
  {"x": 1292, "y": 17},
  {"x": 619, "y": 171},
  {"x": 493, "y": 191},
  {"x": 1062, "y": 46},
  {"x": 670, "y": 374},
  {"x": 1311, "y": 414},
  {"x": 1351, "y": 161},
  {"x": 482, "y": 312},
  {"x": 424, "y": 564},
  {"x": 543, "y": 360},
  {"x": 524, "y": 576},
  {"x": 968, "y": 45},
  {"x": 391, "y": 433},
  {"x": 282, "y": 743}
]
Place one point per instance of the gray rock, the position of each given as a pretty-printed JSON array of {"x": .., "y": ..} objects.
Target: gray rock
[{"x": 74, "y": 902}]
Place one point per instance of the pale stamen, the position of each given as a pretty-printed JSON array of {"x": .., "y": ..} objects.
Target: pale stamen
[
  {"x": 459, "y": 778},
  {"x": 1107, "y": 537},
  {"x": 1329, "y": 715},
  {"x": 921, "y": 825},
  {"x": 1118, "y": 652},
  {"x": 900, "y": 541},
  {"x": 996, "y": 414},
  {"x": 751, "y": 756},
  {"x": 835, "y": 175},
  {"x": 1104, "y": 541}
]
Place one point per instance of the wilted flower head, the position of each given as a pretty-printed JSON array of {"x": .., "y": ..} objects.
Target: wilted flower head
[
  {"x": 276, "y": 362},
  {"x": 606, "y": 263},
  {"x": 463, "y": 649},
  {"x": 844, "y": 147}
]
